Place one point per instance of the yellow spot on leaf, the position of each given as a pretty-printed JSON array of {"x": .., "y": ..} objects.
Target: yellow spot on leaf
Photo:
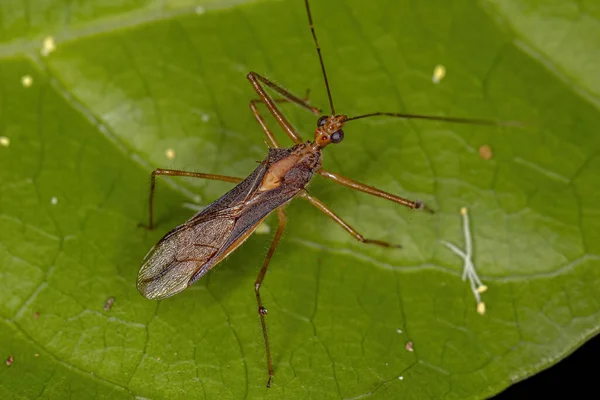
[
  {"x": 26, "y": 81},
  {"x": 439, "y": 72},
  {"x": 48, "y": 46},
  {"x": 481, "y": 308}
]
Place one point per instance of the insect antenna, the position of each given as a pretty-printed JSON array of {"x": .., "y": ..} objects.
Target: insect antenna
[
  {"x": 458, "y": 120},
  {"x": 314, "y": 35}
]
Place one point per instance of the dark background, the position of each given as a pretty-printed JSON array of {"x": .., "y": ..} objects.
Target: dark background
[{"x": 578, "y": 373}]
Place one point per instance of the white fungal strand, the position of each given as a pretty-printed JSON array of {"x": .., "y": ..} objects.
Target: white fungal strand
[{"x": 469, "y": 272}]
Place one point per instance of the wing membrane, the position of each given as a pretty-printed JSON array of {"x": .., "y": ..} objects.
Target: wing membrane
[{"x": 171, "y": 263}]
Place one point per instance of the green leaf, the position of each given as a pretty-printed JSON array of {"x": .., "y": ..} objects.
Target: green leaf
[{"x": 128, "y": 82}]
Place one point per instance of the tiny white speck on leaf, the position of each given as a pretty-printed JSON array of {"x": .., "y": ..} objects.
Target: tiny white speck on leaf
[
  {"x": 439, "y": 72},
  {"x": 401, "y": 377},
  {"x": 109, "y": 303},
  {"x": 53, "y": 200},
  {"x": 263, "y": 228},
  {"x": 399, "y": 330},
  {"x": 48, "y": 46},
  {"x": 193, "y": 206},
  {"x": 205, "y": 118},
  {"x": 200, "y": 10},
  {"x": 26, "y": 81},
  {"x": 4, "y": 141},
  {"x": 170, "y": 153}
]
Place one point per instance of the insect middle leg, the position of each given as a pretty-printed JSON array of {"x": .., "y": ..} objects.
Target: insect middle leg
[
  {"x": 255, "y": 79},
  {"x": 342, "y": 180},
  {"x": 327, "y": 211},
  {"x": 262, "y": 311},
  {"x": 176, "y": 172}
]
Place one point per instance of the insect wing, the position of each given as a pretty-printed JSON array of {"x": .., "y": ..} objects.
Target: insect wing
[
  {"x": 173, "y": 261},
  {"x": 186, "y": 253}
]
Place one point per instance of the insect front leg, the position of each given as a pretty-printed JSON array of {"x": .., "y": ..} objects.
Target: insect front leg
[
  {"x": 259, "y": 118},
  {"x": 255, "y": 79},
  {"x": 176, "y": 172},
  {"x": 262, "y": 311}
]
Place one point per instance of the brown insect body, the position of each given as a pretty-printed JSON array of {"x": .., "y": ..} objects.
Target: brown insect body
[{"x": 188, "y": 252}]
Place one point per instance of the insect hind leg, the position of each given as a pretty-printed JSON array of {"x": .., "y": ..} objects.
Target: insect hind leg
[{"x": 262, "y": 311}]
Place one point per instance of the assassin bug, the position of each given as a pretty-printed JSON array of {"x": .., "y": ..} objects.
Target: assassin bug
[{"x": 188, "y": 252}]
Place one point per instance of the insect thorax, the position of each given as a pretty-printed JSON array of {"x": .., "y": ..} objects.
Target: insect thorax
[{"x": 292, "y": 167}]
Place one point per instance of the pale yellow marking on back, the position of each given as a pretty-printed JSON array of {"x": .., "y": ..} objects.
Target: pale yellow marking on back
[{"x": 277, "y": 171}]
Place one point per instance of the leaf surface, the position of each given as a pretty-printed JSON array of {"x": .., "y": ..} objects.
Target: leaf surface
[{"x": 129, "y": 84}]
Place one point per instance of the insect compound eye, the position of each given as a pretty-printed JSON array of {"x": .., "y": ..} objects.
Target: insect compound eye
[
  {"x": 337, "y": 136},
  {"x": 321, "y": 121}
]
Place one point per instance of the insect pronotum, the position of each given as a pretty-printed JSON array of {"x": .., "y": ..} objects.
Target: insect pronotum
[{"x": 188, "y": 252}]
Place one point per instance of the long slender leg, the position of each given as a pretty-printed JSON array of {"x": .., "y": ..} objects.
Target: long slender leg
[
  {"x": 327, "y": 211},
  {"x": 374, "y": 191},
  {"x": 270, "y": 137},
  {"x": 255, "y": 80},
  {"x": 176, "y": 172},
  {"x": 261, "y": 121},
  {"x": 262, "y": 311}
]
